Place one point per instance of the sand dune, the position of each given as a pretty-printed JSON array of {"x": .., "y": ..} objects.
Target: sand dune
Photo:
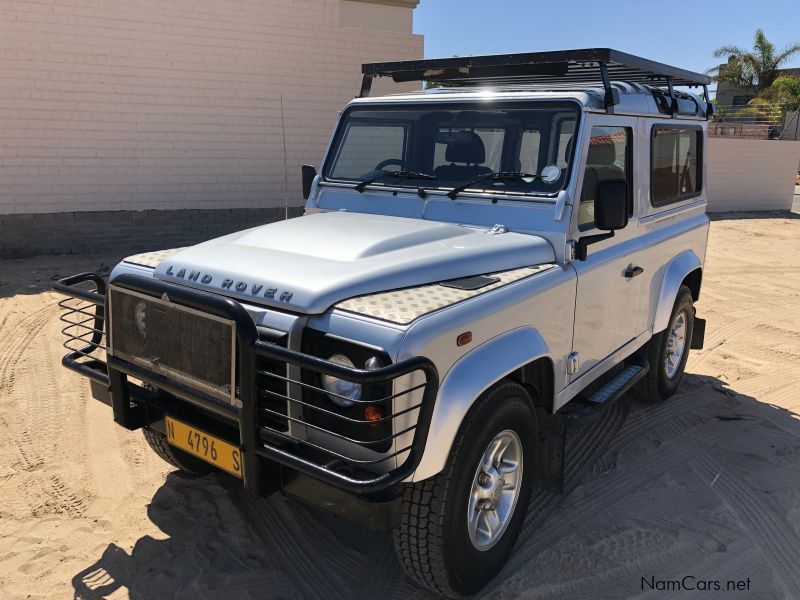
[{"x": 706, "y": 485}]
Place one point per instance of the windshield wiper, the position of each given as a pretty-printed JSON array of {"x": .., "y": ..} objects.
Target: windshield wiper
[
  {"x": 501, "y": 176},
  {"x": 361, "y": 186}
]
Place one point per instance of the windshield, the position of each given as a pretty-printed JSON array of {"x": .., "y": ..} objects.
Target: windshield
[{"x": 448, "y": 146}]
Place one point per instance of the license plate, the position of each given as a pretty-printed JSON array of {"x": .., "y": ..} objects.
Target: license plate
[{"x": 207, "y": 447}]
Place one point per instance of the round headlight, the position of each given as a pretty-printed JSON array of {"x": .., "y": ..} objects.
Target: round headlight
[
  {"x": 373, "y": 363},
  {"x": 349, "y": 390}
]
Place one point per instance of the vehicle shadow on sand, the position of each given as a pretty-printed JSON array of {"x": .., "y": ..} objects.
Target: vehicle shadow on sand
[{"x": 705, "y": 484}]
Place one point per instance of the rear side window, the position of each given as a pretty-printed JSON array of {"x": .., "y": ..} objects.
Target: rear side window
[{"x": 675, "y": 170}]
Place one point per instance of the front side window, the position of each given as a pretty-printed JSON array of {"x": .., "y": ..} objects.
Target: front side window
[
  {"x": 608, "y": 159},
  {"x": 675, "y": 164},
  {"x": 447, "y": 146}
]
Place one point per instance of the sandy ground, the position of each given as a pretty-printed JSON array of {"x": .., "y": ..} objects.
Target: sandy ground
[{"x": 707, "y": 484}]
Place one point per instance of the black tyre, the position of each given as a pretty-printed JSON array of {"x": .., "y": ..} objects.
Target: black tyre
[
  {"x": 668, "y": 351},
  {"x": 444, "y": 541},
  {"x": 175, "y": 456}
]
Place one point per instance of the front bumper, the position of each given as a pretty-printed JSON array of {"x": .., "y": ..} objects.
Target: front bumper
[{"x": 135, "y": 406}]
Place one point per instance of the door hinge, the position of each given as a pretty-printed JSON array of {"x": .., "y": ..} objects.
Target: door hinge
[
  {"x": 573, "y": 363},
  {"x": 570, "y": 252}
]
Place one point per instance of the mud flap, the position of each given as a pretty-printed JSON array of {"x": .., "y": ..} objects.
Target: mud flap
[
  {"x": 549, "y": 468},
  {"x": 698, "y": 334}
]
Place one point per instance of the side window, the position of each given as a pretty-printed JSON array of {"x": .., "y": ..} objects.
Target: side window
[
  {"x": 365, "y": 146},
  {"x": 675, "y": 170},
  {"x": 529, "y": 151},
  {"x": 609, "y": 158}
]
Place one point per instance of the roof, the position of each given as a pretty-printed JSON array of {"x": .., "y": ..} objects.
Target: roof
[{"x": 629, "y": 98}]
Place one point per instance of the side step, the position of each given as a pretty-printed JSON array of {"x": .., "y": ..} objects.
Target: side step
[
  {"x": 618, "y": 386},
  {"x": 608, "y": 394}
]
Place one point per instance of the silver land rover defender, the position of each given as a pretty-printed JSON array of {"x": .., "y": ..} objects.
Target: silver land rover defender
[{"x": 480, "y": 265}]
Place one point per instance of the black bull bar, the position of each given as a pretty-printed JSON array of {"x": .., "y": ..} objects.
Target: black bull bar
[{"x": 135, "y": 406}]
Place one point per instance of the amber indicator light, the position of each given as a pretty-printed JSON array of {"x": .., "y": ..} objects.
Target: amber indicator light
[
  {"x": 373, "y": 413},
  {"x": 464, "y": 339}
]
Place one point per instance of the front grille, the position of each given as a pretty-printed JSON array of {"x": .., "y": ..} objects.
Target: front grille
[
  {"x": 271, "y": 386},
  {"x": 175, "y": 341}
]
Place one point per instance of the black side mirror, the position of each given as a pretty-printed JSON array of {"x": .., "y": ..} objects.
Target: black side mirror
[
  {"x": 309, "y": 173},
  {"x": 611, "y": 205},
  {"x": 610, "y": 214}
]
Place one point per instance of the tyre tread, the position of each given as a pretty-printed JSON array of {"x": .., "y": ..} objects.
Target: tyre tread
[{"x": 419, "y": 540}]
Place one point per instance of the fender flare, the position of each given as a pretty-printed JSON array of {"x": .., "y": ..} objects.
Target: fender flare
[
  {"x": 469, "y": 377},
  {"x": 676, "y": 271}
]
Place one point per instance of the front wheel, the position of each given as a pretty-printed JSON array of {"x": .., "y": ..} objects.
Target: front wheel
[{"x": 459, "y": 527}]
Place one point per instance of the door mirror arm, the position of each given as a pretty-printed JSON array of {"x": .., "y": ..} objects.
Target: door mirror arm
[{"x": 582, "y": 244}]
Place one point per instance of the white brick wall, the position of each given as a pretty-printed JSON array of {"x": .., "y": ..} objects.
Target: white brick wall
[
  {"x": 154, "y": 104},
  {"x": 747, "y": 174}
]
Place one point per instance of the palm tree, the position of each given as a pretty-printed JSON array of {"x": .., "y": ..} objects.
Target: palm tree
[
  {"x": 755, "y": 69},
  {"x": 788, "y": 89}
]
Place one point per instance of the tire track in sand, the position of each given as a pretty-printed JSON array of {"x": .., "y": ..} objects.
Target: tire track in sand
[
  {"x": 315, "y": 578},
  {"x": 41, "y": 424},
  {"x": 761, "y": 519},
  {"x": 18, "y": 337},
  {"x": 604, "y": 491}
]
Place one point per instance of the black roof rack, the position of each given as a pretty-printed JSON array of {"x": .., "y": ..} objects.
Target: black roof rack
[{"x": 558, "y": 67}]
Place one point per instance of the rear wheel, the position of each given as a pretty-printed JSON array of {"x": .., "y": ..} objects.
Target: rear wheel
[
  {"x": 175, "y": 456},
  {"x": 668, "y": 351},
  {"x": 459, "y": 527}
]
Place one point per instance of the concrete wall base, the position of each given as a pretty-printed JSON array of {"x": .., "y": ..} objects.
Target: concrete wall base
[{"x": 120, "y": 232}]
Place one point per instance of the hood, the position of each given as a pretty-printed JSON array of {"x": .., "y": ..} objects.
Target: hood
[{"x": 310, "y": 263}]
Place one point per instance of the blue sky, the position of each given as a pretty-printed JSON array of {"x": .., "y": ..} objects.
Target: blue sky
[{"x": 680, "y": 33}]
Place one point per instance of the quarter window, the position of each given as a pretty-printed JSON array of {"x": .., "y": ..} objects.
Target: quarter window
[
  {"x": 608, "y": 159},
  {"x": 675, "y": 164}
]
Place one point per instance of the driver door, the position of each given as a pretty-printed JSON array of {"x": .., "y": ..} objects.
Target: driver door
[{"x": 610, "y": 308}]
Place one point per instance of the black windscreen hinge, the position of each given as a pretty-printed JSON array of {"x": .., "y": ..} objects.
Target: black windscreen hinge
[{"x": 583, "y": 243}]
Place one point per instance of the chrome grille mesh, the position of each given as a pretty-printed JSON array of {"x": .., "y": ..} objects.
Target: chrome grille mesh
[{"x": 194, "y": 348}]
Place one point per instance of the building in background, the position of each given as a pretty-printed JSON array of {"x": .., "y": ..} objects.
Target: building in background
[
  {"x": 736, "y": 117},
  {"x": 729, "y": 95},
  {"x": 156, "y": 123}
]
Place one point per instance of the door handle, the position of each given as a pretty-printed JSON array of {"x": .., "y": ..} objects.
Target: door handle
[{"x": 633, "y": 271}]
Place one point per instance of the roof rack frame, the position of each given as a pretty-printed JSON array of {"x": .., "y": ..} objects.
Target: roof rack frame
[{"x": 582, "y": 65}]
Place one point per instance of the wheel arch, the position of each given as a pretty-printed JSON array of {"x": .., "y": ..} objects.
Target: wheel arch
[
  {"x": 538, "y": 376},
  {"x": 684, "y": 269},
  {"x": 515, "y": 354}
]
